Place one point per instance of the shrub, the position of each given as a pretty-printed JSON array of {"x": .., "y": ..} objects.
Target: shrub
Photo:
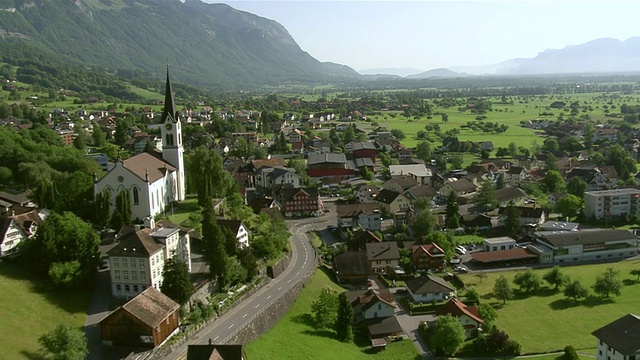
[{"x": 570, "y": 353}]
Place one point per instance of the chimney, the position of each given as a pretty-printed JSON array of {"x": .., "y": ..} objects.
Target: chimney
[
  {"x": 149, "y": 222},
  {"x": 146, "y": 175}
]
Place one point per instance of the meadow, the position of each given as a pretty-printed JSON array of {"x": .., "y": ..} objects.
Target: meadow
[
  {"x": 294, "y": 336},
  {"x": 546, "y": 321},
  {"x": 31, "y": 308}
]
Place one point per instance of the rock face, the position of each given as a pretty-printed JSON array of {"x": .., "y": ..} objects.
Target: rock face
[{"x": 206, "y": 44}]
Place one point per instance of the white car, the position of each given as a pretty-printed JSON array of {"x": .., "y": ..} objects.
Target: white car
[{"x": 461, "y": 250}]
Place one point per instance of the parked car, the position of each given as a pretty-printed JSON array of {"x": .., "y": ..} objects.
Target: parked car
[
  {"x": 461, "y": 250},
  {"x": 461, "y": 269},
  {"x": 455, "y": 261}
]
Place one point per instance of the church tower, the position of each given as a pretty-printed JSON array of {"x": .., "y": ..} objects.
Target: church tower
[{"x": 172, "y": 150}]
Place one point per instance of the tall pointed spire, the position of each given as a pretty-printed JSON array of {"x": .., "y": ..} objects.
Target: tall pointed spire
[{"x": 169, "y": 103}]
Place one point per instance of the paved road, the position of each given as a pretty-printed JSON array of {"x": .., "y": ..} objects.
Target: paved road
[{"x": 223, "y": 328}]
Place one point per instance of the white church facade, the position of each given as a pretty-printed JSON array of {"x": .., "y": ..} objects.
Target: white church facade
[{"x": 153, "y": 180}]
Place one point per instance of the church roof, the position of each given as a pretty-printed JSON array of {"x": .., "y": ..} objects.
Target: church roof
[
  {"x": 143, "y": 164},
  {"x": 169, "y": 103}
]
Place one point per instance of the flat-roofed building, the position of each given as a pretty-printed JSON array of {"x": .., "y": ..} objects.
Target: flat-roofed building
[
  {"x": 498, "y": 244},
  {"x": 611, "y": 203}
]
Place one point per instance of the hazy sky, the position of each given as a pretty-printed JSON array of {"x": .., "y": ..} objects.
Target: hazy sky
[{"x": 433, "y": 34}]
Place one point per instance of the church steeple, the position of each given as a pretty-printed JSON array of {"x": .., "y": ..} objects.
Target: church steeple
[{"x": 169, "y": 103}]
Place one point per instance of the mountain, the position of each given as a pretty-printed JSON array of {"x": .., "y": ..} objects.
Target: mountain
[
  {"x": 436, "y": 73},
  {"x": 504, "y": 67},
  {"x": 205, "y": 44},
  {"x": 390, "y": 71}
]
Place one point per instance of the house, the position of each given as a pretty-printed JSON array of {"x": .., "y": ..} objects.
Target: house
[
  {"x": 529, "y": 215},
  {"x": 382, "y": 329},
  {"x": 363, "y": 237},
  {"x": 468, "y": 316},
  {"x": 216, "y": 352},
  {"x": 419, "y": 172},
  {"x": 510, "y": 195},
  {"x": 267, "y": 176},
  {"x": 428, "y": 256},
  {"x": 459, "y": 187},
  {"x": 382, "y": 256},
  {"x": 620, "y": 339},
  {"x": 498, "y": 244},
  {"x": 611, "y": 203},
  {"x": 329, "y": 165},
  {"x": 400, "y": 183},
  {"x": 366, "y": 193},
  {"x": 297, "y": 202},
  {"x": 364, "y": 149},
  {"x": 366, "y": 216},
  {"x": 147, "y": 320},
  {"x": 515, "y": 175},
  {"x": 371, "y": 304},
  {"x": 137, "y": 261},
  {"x": 21, "y": 199},
  {"x": 564, "y": 247},
  {"x": 18, "y": 226},
  {"x": 420, "y": 192},
  {"x": 392, "y": 202},
  {"x": 352, "y": 267},
  {"x": 237, "y": 228},
  {"x": 428, "y": 288},
  {"x": 603, "y": 133},
  {"x": 153, "y": 181},
  {"x": 481, "y": 222}
]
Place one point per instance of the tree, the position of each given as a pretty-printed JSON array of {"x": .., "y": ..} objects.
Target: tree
[
  {"x": 500, "y": 184},
  {"x": 569, "y": 205},
  {"x": 63, "y": 343},
  {"x": 456, "y": 161},
  {"x": 513, "y": 149},
  {"x": 486, "y": 197},
  {"x": 423, "y": 151},
  {"x": 608, "y": 283},
  {"x": 344, "y": 320},
  {"x": 636, "y": 272},
  {"x": 102, "y": 203},
  {"x": 577, "y": 187},
  {"x": 555, "y": 277},
  {"x": 121, "y": 135},
  {"x": 445, "y": 118},
  {"x": 206, "y": 175},
  {"x": 448, "y": 335},
  {"x": 80, "y": 142},
  {"x": 324, "y": 309},
  {"x": 575, "y": 290},
  {"x": 512, "y": 220},
  {"x": 366, "y": 173},
  {"x": 502, "y": 289},
  {"x": 176, "y": 282},
  {"x": 528, "y": 281},
  {"x": 65, "y": 248},
  {"x": 398, "y": 134},
  {"x": 553, "y": 182},
  {"x": 98, "y": 137},
  {"x": 122, "y": 212},
  {"x": 620, "y": 158},
  {"x": 481, "y": 275},
  {"x": 424, "y": 223},
  {"x": 472, "y": 296},
  {"x": 215, "y": 254},
  {"x": 488, "y": 314},
  {"x": 551, "y": 145},
  {"x": 452, "y": 211}
]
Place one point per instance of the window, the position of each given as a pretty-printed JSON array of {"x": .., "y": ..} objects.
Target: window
[
  {"x": 118, "y": 288},
  {"x": 124, "y": 262},
  {"x": 141, "y": 263},
  {"x": 125, "y": 274},
  {"x": 143, "y": 276},
  {"x": 135, "y": 288},
  {"x": 133, "y": 263},
  {"x": 116, "y": 262},
  {"x": 117, "y": 274},
  {"x": 136, "y": 196},
  {"x": 134, "y": 276},
  {"x": 13, "y": 233},
  {"x": 126, "y": 288}
]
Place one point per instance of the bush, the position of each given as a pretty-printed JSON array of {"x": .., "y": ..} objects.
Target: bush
[{"x": 570, "y": 353}]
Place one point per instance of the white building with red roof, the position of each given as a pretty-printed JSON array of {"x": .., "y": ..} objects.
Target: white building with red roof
[
  {"x": 153, "y": 180},
  {"x": 467, "y": 315}
]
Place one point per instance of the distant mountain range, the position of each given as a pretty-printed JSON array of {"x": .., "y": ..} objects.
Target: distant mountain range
[
  {"x": 597, "y": 56},
  {"x": 215, "y": 45}
]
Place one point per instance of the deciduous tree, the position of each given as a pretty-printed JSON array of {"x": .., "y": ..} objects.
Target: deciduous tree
[
  {"x": 555, "y": 277},
  {"x": 577, "y": 187},
  {"x": 528, "y": 281},
  {"x": 448, "y": 335},
  {"x": 215, "y": 254},
  {"x": 488, "y": 314},
  {"x": 569, "y": 205},
  {"x": 63, "y": 343},
  {"x": 608, "y": 283},
  {"x": 575, "y": 290},
  {"x": 486, "y": 197},
  {"x": 502, "y": 289}
]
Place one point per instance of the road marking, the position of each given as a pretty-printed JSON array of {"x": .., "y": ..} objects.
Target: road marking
[
  {"x": 298, "y": 273},
  {"x": 244, "y": 316},
  {"x": 230, "y": 326},
  {"x": 268, "y": 297},
  {"x": 289, "y": 281},
  {"x": 216, "y": 338},
  {"x": 257, "y": 306},
  {"x": 280, "y": 288}
]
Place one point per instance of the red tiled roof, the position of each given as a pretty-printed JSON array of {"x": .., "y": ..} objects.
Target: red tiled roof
[
  {"x": 457, "y": 308},
  {"x": 504, "y": 255}
]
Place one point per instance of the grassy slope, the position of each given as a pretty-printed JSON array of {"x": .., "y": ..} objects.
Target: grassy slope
[
  {"x": 547, "y": 321},
  {"x": 294, "y": 337},
  {"x": 29, "y": 309}
]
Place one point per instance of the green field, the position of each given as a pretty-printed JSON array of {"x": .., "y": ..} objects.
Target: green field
[
  {"x": 295, "y": 338},
  {"x": 547, "y": 322},
  {"x": 30, "y": 309}
]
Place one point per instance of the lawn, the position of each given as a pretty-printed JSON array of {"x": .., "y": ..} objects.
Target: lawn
[
  {"x": 294, "y": 336},
  {"x": 547, "y": 322},
  {"x": 31, "y": 308},
  {"x": 181, "y": 212}
]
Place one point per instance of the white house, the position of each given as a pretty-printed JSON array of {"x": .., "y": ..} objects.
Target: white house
[
  {"x": 618, "y": 340},
  {"x": 371, "y": 304},
  {"x": 237, "y": 228},
  {"x": 15, "y": 229},
  {"x": 498, "y": 244},
  {"x": 137, "y": 262},
  {"x": 366, "y": 216},
  {"x": 417, "y": 171},
  {"x": 428, "y": 288},
  {"x": 153, "y": 181},
  {"x": 268, "y": 176}
]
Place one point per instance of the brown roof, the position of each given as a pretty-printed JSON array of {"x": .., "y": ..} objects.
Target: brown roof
[
  {"x": 268, "y": 162},
  {"x": 457, "y": 308},
  {"x": 428, "y": 284},
  {"x": 151, "y": 307},
  {"x": 351, "y": 210},
  {"x": 385, "y": 326},
  {"x": 463, "y": 185},
  {"x": 509, "y": 194},
  {"x": 351, "y": 263},
  {"x": 136, "y": 244},
  {"x": 383, "y": 251},
  {"x": 23, "y": 221},
  {"x": 431, "y": 249},
  {"x": 368, "y": 298},
  {"x": 215, "y": 352},
  {"x": 622, "y": 334},
  {"x": 404, "y": 181},
  {"x": 145, "y": 163},
  {"x": 503, "y": 255}
]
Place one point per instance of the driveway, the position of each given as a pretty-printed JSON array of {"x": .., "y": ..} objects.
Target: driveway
[{"x": 410, "y": 325}]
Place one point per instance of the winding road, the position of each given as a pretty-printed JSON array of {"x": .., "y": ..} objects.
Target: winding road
[{"x": 224, "y": 327}]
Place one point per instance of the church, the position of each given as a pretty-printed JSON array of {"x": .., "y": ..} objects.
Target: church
[{"x": 153, "y": 180}]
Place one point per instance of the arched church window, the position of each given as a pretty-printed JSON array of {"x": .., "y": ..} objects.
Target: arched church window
[{"x": 136, "y": 196}]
